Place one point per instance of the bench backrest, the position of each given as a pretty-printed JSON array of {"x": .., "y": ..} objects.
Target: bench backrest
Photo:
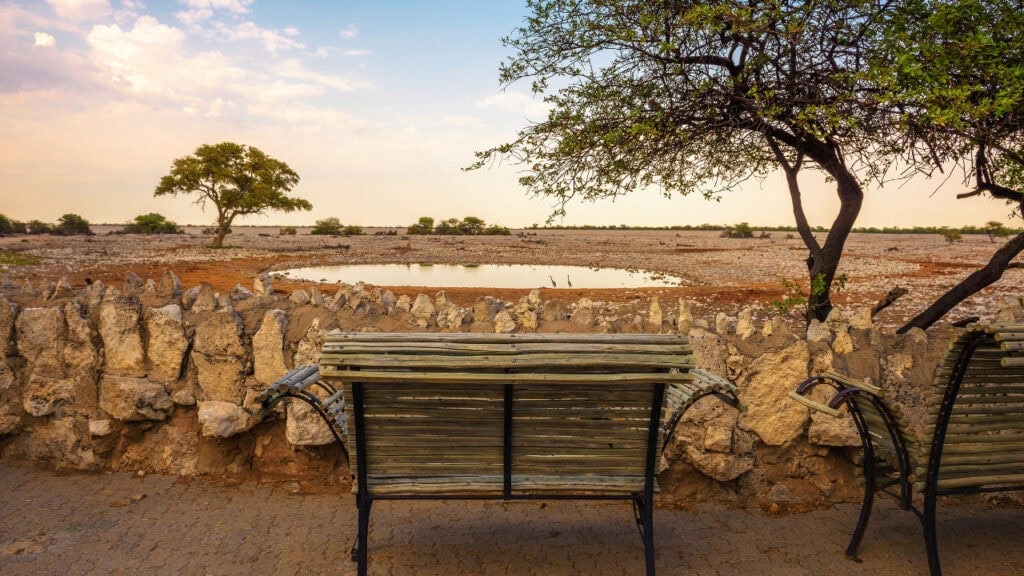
[
  {"x": 974, "y": 433},
  {"x": 504, "y": 415}
]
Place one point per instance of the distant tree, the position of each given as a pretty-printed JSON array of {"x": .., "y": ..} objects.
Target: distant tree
[
  {"x": 38, "y": 227},
  {"x": 691, "y": 95},
  {"x": 741, "y": 230},
  {"x": 496, "y": 230},
  {"x": 995, "y": 229},
  {"x": 152, "y": 223},
  {"x": 8, "y": 226},
  {"x": 72, "y": 225},
  {"x": 327, "y": 227},
  {"x": 352, "y": 230},
  {"x": 425, "y": 225},
  {"x": 238, "y": 180},
  {"x": 471, "y": 225},
  {"x": 951, "y": 236},
  {"x": 448, "y": 227}
]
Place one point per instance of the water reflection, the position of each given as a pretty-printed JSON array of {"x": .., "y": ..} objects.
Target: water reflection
[{"x": 483, "y": 276}]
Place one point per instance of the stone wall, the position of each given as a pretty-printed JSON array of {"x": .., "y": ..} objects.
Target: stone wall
[{"x": 152, "y": 378}]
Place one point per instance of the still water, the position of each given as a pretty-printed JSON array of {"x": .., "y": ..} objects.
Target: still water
[{"x": 483, "y": 276}]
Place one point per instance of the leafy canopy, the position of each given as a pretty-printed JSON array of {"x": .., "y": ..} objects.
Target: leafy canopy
[{"x": 238, "y": 180}]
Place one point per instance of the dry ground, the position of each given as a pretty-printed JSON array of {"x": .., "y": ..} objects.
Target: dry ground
[{"x": 718, "y": 273}]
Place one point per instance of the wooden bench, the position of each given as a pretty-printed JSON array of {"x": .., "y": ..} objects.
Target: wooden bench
[
  {"x": 975, "y": 422},
  {"x": 509, "y": 416}
]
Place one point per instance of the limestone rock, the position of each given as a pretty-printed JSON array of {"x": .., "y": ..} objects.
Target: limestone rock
[
  {"x": 9, "y": 423},
  {"x": 133, "y": 399},
  {"x": 388, "y": 301},
  {"x": 133, "y": 284},
  {"x": 745, "y": 324},
  {"x": 166, "y": 343},
  {"x": 503, "y": 323},
  {"x": 81, "y": 354},
  {"x": 206, "y": 299},
  {"x": 722, "y": 323},
  {"x": 268, "y": 348},
  {"x": 189, "y": 297},
  {"x": 299, "y": 297},
  {"x": 220, "y": 357},
  {"x": 62, "y": 289},
  {"x": 45, "y": 396},
  {"x": 263, "y": 285},
  {"x": 304, "y": 427},
  {"x": 554, "y": 311},
  {"x": 721, "y": 467},
  {"x": 843, "y": 344},
  {"x": 170, "y": 285},
  {"x": 654, "y": 315},
  {"x": 422, "y": 310},
  {"x": 718, "y": 438},
  {"x": 818, "y": 331},
  {"x": 403, "y": 304},
  {"x": 184, "y": 397},
  {"x": 119, "y": 323},
  {"x": 583, "y": 315},
  {"x": 826, "y": 430},
  {"x": 861, "y": 319},
  {"x": 100, "y": 427},
  {"x": 223, "y": 419},
  {"x": 240, "y": 293},
  {"x": 527, "y": 321},
  {"x": 40, "y": 340},
  {"x": 150, "y": 287},
  {"x": 94, "y": 294},
  {"x": 684, "y": 321},
  {"x": 308, "y": 350},
  {"x": 8, "y": 313},
  {"x": 770, "y": 413}
]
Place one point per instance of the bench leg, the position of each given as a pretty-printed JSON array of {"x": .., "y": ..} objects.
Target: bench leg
[
  {"x": 643, "y": 510},
  {"x": 359, "y": 547},
  {"x": 931, "y": 540}
]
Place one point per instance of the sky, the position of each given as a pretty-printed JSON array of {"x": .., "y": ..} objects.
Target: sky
[{"x": 376, "y": 105}]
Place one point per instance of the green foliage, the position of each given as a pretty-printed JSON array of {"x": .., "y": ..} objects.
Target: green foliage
[
  {"x": 327, "y": 227},
  {"x": 8, "y": 226},
  {"x": 38, "y": 227},
  {"x": 951, "y": 236},
  {"x": 17, "y": 259},
  {"x": 237, "y": 180},
  {"x": 792, "y": 297},
  {"x": 352, "y": 230},
  {"x": 741, "y": 230},
  {"x": 425, "y": 225},
  {"x": 287, "y": 231},
  {"x": 468, "y": 226},
  {"x": 995, "y": 229},
  {"x": 152, "y": 223}
]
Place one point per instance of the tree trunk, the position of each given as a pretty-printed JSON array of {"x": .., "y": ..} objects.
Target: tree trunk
[
  {"x": 223, "y": 226},
  {"x": 990, "y": 273},
  {"x": 822, "y": 266}
]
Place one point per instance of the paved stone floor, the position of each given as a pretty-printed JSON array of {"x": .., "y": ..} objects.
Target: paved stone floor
[{"x": 117, "y": 523}]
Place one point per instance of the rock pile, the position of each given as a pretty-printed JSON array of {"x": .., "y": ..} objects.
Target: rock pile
[{"x": 151, "y": 377}]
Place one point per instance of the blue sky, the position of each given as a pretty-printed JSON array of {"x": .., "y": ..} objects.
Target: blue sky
[{"x": 377, "y": 106}]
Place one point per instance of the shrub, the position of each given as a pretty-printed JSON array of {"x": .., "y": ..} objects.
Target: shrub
[
  {"x": 151, "y": 223},
  {"x": 72, "y": 225},
  {"x": 327, "y": 227},
  {"x": 495, "y": 230},
  {"x": 38, "y": 227},
  {"x": 352, "y": 230},
  {"x": 951, "y": 235},
  {"x": 741, "y": 230},
  {"x": 287, "y": 231},
  {"x": 425, "y": 225},
  {"x": 8, "y": 226}
]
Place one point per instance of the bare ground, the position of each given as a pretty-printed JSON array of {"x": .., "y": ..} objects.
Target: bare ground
[{"x": 718, "y": 274}]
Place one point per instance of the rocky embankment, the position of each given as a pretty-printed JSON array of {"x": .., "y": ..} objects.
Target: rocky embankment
[{"x": 148, "y": 376}]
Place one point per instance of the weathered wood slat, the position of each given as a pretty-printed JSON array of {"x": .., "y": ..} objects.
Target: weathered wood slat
[
  {"x": 563, "y": 361},
  {"x": 568, "y": 378}
]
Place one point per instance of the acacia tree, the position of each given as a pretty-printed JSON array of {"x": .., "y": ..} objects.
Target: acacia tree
[
  {"x": 953, "y": 72},
  {"x": 238, "y": 180},
  {"x": 700, "y": 96}
]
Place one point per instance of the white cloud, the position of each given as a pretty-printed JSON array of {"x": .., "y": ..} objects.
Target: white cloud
[
  {"x": 353, "y": 53},
  {"x": 348, "y": 32},
  {"x": 516, "y": 102},
  {"x": 232, "y": 6},
  {"x": 150, "y": 59},
  {"x": 44, "y": 40},
  {"x": 271, "y": 39},
  {"x": 79, "y": 10},
  {"x": 293, "y": 68}
]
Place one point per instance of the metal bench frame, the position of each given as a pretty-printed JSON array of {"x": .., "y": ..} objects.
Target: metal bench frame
[
  {"x": 335, "y": 409},
  {"x": 884, "y": 431}
]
